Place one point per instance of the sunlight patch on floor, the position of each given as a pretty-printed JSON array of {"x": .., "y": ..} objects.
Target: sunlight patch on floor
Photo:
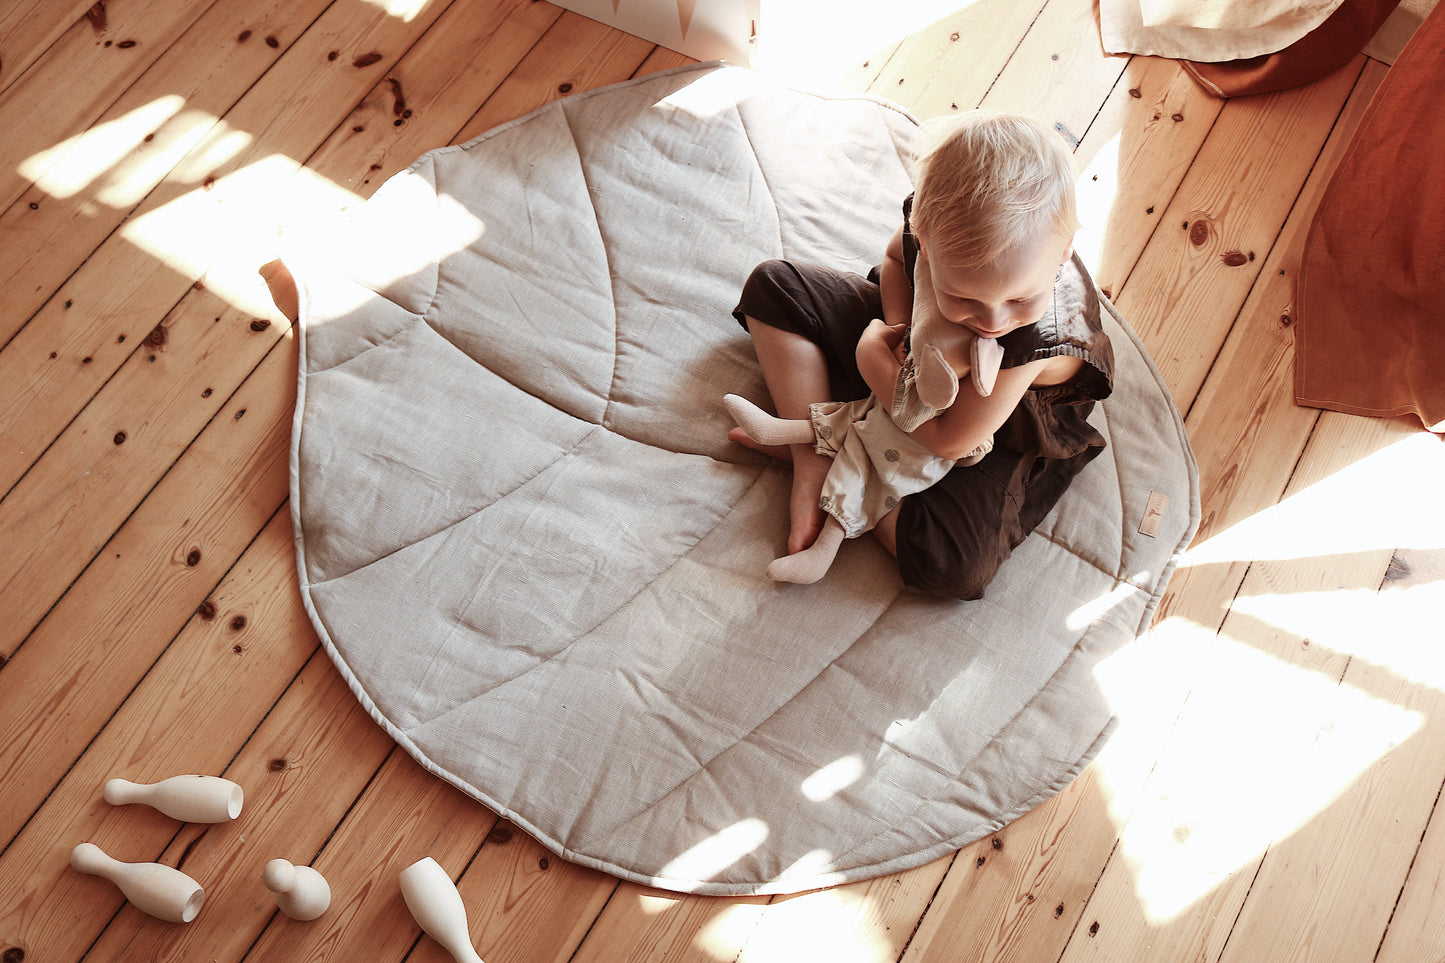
[
  {"x": 1146, "y": 683},
  {"x": 1096, "y": 190},
  {"x": 1230, "y": 742},
  {"x": 225, "y": 226},
  {"x": 224, "y": 231},
  {"x": 728, "y": 929},
  {"x": 1263, "y": 747},
  {"x": 836, "y": 925},
  {"x": 1353, "y": 623},
  {"x": 404, "y": 10},
  {"x": 1371, "y": 505},
  {"x": 815, "y": 45},
  {"x": 121, "y": 161}
]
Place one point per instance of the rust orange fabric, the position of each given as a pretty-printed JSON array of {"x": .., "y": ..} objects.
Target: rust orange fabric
[
  {"x": 1318, "y": 53},
  {"x": 1370, "y": 334}
]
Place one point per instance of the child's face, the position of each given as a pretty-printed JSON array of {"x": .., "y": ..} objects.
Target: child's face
[{"x": 1012, "y": 292}]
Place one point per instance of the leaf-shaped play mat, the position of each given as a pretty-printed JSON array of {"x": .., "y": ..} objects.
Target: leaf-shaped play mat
[{"x": 527, "y": 543}]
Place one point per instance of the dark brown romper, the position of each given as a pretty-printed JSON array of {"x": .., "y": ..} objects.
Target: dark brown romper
[{"x": 953, "y": 537}]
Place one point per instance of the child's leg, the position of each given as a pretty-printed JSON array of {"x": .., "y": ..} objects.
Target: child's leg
[
  {"x": 950, "y": 539},
  {"x": 886, "y": 531},
  {"x": 796, "y": 373}
]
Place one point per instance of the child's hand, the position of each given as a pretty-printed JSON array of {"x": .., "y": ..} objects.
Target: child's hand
[
  {"x": 888, "y": 337},
  {"x": 878, "y": 355}
]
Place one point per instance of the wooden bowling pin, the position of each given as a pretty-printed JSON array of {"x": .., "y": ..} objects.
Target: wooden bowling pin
[
  {"x": 301, "y": 892},
  {"x": 161, "y": 891},
  {"x": 436, "y": 905},
  {"x": 191, "y": 799}
]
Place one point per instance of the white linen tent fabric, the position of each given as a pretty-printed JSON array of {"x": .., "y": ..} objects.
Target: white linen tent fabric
[
  {"x": 1208, "y": 30},
  {"x": 528, "y": 546}
]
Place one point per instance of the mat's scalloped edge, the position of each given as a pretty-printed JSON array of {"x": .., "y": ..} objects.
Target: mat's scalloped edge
[
  {"x": 705, "y": 67},
  {"x": 1190, "y": 465}
]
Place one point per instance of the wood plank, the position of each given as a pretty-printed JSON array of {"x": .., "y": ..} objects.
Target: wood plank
[
  {"x": 507, "y": 885},
  {"x": 456, "y": 67},
  {"x": 1412, "y": 592},
  {"x": 871, "y": 919},
  {"x": 525, "y": 903},
  {"x": 214, "y": 670},
  {"x": 577, "y": 54},
  {"x": 139, "y": 274},
  {"x": 29, "y": 28},
  {"x": 644, "y": 924},
  {"x": 1245, "y": 429},
  {"x": 1264, "y": 712},
  {"x": 662, "y": 59},
  {"x": 1067, "y": 73},
  {"x": 109, "y": 457},
  {"x": 1237, "y": 445},
  {"x": 1022, "y": 902},
  {"x": 78, "y": 76},
  {"x": 1133, "y": 159},
  {"x": 164, "y": 126},
  {"x": 298, "y": 787},
  {"x": 311, "y": 758},
  {"x": 87, "y": 482},
  {"x": 1378, "y": 756},
  {"x": 1199, "y": 267},
  {"x": 1418, "y": 930},
  {"x": 950, "y": 65},
  {"x": 72, "y": 673},
  {"x": 404, "y": 815}
]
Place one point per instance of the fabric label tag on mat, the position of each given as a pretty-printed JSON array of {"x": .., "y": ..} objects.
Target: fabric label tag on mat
[{"x": 1153, "y": 514}]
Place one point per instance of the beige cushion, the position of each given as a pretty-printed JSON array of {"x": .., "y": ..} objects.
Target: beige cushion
[{"x": 526, "y": 542}]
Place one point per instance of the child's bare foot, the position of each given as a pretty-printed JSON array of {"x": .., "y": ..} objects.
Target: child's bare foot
[{"x": 780, "y": 452}]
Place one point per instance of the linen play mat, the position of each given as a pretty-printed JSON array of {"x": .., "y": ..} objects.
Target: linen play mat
[{"x": 529, "y": 547}]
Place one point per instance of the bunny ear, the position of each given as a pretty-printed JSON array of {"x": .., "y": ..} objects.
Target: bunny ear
[
  {"x": 985, "y": 357},
  {"x": 934, "y": 377}
]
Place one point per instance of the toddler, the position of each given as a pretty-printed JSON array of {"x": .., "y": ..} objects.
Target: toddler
[{"x": 992, "y": 217}]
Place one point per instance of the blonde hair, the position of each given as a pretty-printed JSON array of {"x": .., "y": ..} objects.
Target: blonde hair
[{"x": 987, "y": 182}]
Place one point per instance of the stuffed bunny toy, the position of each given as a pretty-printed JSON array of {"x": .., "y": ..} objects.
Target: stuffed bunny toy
[{"x": 938, "y": 351}]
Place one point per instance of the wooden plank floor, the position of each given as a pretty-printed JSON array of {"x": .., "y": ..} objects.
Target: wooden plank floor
[{"x": 1270, "y": 794}]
